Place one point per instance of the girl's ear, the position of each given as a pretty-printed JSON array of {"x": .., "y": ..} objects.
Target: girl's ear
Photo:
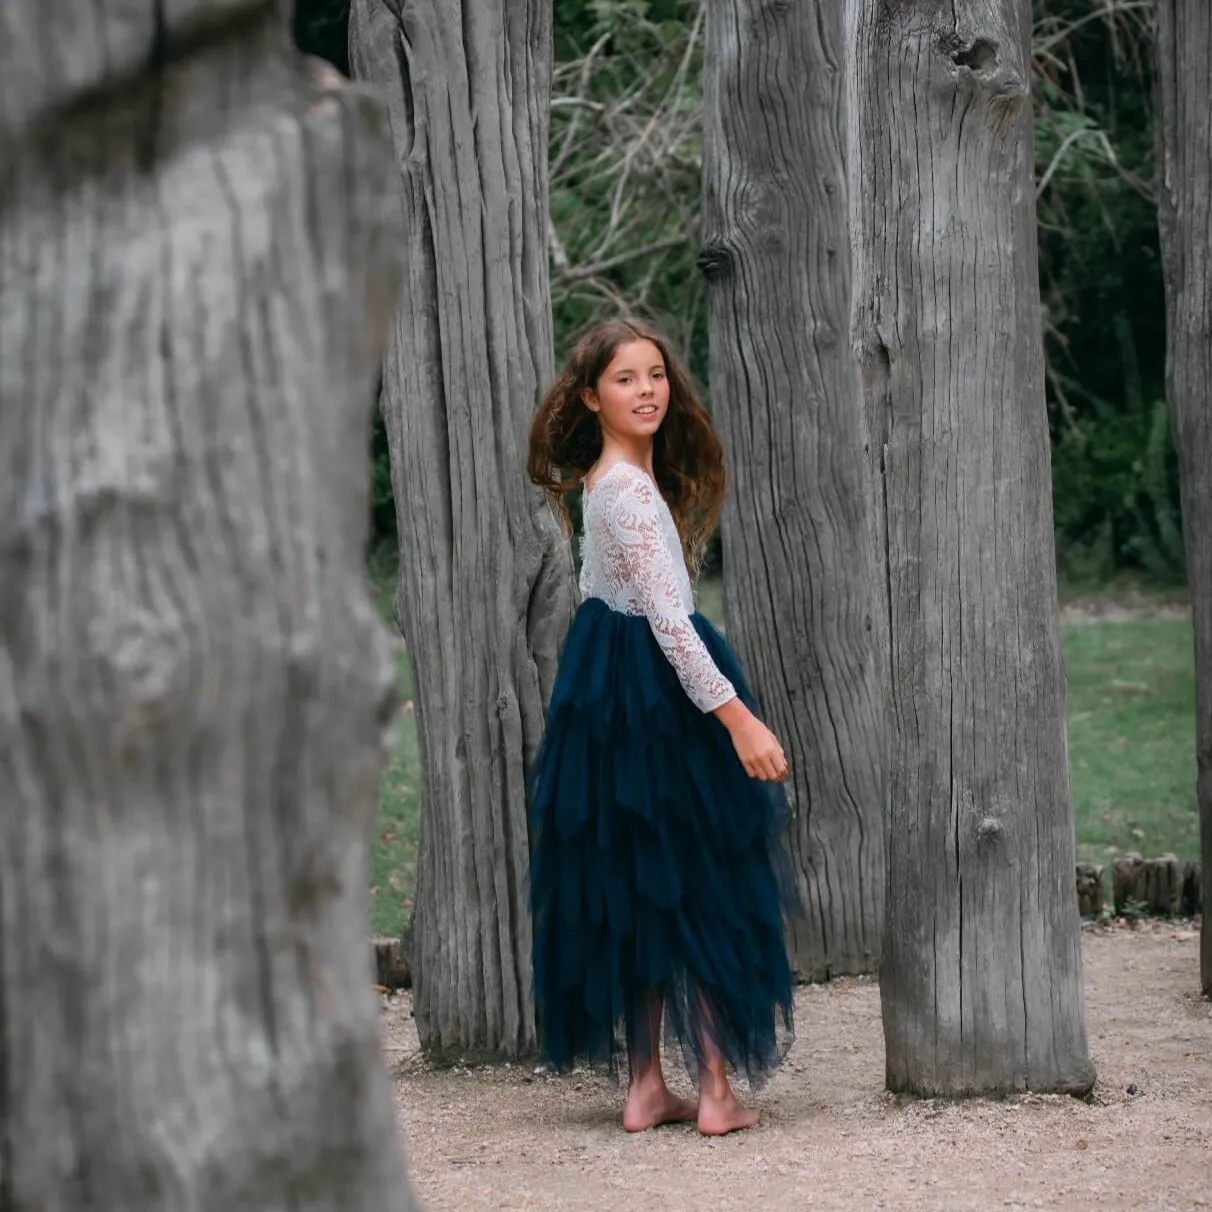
[{"x": 589, "y": 399}]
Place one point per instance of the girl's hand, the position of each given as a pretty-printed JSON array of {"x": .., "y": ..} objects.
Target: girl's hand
[{"x": 756, "y": 746}]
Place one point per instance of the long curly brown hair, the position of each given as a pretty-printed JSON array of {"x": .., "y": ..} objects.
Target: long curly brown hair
[{"x": 688, "y": 460}]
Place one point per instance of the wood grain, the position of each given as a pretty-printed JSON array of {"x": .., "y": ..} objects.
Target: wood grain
[
  {"x": 981, "y": 977},
  {"x": 198, "y": 266},
  {"x": 1184, "y": 39},
  {"x": 799, "y": 572},
  {"x": 485, "y": 591}
]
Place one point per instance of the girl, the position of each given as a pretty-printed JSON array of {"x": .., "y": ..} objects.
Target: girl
[{"x": 655, "y": 804}]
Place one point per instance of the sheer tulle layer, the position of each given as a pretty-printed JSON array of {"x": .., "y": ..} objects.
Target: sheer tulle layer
[{"x": 656, "y": 865}]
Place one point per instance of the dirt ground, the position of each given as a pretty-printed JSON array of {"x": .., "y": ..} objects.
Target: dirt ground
[{"x": 831, "y": 1138}]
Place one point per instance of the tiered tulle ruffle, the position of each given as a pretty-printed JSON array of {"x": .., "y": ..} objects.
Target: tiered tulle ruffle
[{"x": 656, "y": 865}]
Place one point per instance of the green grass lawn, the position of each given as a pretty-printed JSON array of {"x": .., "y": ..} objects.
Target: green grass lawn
[
  {"x": 1132, "y": 738},
  {"x": 1131, "y": 748},
  {"x": 393, "y": 854}
]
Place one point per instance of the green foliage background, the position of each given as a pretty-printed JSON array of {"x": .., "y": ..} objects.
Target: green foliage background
[{"x": 626, "y": 158}]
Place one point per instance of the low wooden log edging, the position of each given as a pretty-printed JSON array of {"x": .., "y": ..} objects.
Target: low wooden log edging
[
  {"x": 1160, "y": 887},
  {"x": 391, "y": 968}
]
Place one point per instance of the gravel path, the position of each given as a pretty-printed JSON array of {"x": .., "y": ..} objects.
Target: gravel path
[{"x": 831, "y": 1138}]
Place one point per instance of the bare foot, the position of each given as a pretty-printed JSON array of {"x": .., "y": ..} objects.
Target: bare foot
[
  {"x": 649, "y": 1108},
  {"x": 718, "y": 1117}
]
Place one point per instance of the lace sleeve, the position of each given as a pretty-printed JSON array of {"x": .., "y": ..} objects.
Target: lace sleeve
[{"x": 649, "y": 567}]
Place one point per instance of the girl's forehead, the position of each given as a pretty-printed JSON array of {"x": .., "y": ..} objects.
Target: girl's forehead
[{"x": 640, "y": 352}]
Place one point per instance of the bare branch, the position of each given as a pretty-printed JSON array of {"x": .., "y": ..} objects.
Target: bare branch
[{"x": 594, "y": 269}]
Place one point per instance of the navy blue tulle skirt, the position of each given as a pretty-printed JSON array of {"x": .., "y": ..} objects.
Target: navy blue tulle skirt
[{"x": 657, "y": 870}]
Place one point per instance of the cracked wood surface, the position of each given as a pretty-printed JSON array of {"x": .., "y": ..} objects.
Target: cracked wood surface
[
  {"x": 799, "y": 572},
  {"x": 198, "y": 267},
  {"x": 981, "y": 974},
  {"x": 1185, "y": 71},
  {"x": 485, "y": 591}
]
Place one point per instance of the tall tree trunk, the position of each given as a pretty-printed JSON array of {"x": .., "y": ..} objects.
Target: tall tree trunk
[
  {"x": 198, "y": 265},
  {"x": 981, "y": 976},
  {"x": 485, "y": 591},
  {"x": 1185, "y": 70},
  {"x": 785, "y": 393}
]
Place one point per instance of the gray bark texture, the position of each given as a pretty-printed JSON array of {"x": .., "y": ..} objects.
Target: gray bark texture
[
  {"x": 485, "y": 592},
  {"x": 1185, "y": 72},
  {"x": 799, "y": 575},
  {"x": 198, "y": 268},
  {"x": 981, "y": 977}
]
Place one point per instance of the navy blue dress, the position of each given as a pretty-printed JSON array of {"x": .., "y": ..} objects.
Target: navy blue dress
[{"x": 657, "y": 866}]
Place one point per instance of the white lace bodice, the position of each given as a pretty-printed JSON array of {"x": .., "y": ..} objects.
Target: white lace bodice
[{"x": 631, "y": 558}]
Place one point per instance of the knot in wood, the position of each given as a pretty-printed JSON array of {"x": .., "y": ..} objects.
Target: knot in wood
[
  {"x": 979, "y": 55},
  {"x": 715, "y": 260},
  {"x": 146, "y": 659},
  {"x": 989, "y": 831},
  {"x": 770, "y": 12},
  {"x": 304, "y": 656},
  {"x": 981, "y": 59}
]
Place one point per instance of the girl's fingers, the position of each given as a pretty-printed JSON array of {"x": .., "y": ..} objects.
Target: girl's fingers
[{"x": 769, "y": 767}]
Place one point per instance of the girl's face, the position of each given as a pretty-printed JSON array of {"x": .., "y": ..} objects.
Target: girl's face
[{"x": 632, "y": 396}]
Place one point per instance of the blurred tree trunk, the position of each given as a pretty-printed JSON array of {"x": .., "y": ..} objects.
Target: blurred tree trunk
[
  {"x": 1185, "y": 71},
  {"x": 981, "y": 976},
  {"x": 198, "y": 265},
  {"x": 785, "y": 391},
  {"x": 485, "y": 591}
]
